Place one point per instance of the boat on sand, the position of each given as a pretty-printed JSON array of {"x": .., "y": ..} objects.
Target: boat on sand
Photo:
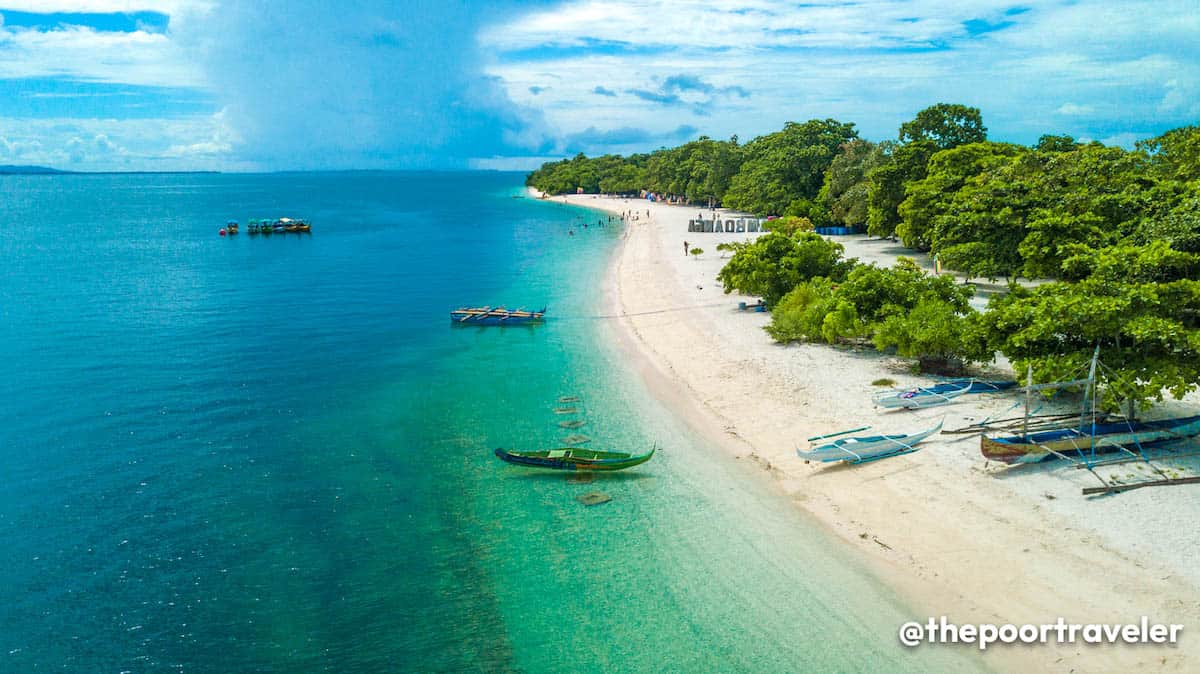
[
  {"x": 1091, "y": 438},
  {"x": 864, "y": 448},
  {"x": 921, "y": 397}
]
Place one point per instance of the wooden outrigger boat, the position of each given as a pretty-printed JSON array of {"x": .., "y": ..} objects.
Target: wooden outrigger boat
[
  {"x": 926, "y": 396},
  {"x": 497, "y": 316},
  {"x": 1091, "y": 438},
  {"x": 269, "y": 225},
  {"x": 573, "y": 458},
  {"x": 864, "y": 448}
]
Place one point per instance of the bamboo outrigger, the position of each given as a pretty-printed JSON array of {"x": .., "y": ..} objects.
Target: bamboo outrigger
[
  {"x": 1092, "y": 437},
  {"x": 862, "y": 449},
  {"x": 497, "y": 316}
]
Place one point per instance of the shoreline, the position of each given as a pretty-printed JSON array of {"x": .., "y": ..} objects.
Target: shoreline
[{"x": 950, "y": 536}]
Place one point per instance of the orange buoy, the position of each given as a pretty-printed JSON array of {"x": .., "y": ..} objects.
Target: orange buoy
[{"x": 222, "y": 232}]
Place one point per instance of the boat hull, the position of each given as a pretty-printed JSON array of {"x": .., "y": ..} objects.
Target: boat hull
[
  {"x": 1106, "y": 438},
  {"x": 868, "y": 448},
  {"x": 496, "y": 317},
  {"x": 568, "y": 459},
  {"x": 919, "y": 398}
]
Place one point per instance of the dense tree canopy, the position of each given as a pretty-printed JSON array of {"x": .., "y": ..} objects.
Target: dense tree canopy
[
  {"x": 947, "y": 173},
  {"x": 1115, "y": 231},
  {"x": 886, "y": 183},
  {"x": 1139, "y": 304},
  {"x": 783, "y": 171},
  {"x": 773, "y": 264},
  {"x": 843, "y": 196},
  {"x": 902, "y": 307}
]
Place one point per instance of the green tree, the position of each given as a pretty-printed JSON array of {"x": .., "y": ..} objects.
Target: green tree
[
  {"x": 899, "y": 165},
  {"x": 921, "y": 315},
  {"x": 1176, "y": 153},
  {"x": 790, "y": 225},
  {"x": 933, "y": 332},
  {"x": 774, "y": 264},
  {"x": 625, "y": 179},
  {"x": 843, "y": 196},
  {"x": 782, "y": 172},
  {"x": 800, "y": 314},
  {"x": 1140, "y": 304},
  {"x": 929, "y": 199},
  {"x": 1050, "y": 143},
  {"x": 1094, "y": 195},
  {"x": 947, "y": 125},
  {"x": 1180, "y": 225}
]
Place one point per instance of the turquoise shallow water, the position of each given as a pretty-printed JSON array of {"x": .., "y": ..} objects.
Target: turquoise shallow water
[{"x": 274, "y": 454}]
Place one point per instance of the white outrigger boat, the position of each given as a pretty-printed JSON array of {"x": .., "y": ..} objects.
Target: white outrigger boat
[
  {"x": 917, "y": 398},
  {"x": 864, "y": 448}
]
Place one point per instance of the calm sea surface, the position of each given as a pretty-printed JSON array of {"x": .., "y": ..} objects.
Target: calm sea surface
[{"x": 274, "y": 453}]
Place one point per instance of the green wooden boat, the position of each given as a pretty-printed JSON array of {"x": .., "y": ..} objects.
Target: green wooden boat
[{"x": 573, "y": 458}]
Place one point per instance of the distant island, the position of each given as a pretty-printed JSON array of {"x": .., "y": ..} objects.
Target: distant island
[{"x": 11, "y": 169}]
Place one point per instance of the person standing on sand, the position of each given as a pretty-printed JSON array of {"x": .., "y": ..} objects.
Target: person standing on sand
[{"x": 685, "y": 249}]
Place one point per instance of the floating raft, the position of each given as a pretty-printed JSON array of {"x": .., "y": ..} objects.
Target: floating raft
[
  {"x": 574, "y": 423},
  {"x": 566, "y": 410},
  {"x": 496, "y": 316},
  {"x": 568, "y": 399},
  {"x": 576, "y": 439}
]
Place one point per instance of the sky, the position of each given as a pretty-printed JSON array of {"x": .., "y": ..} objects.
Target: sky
[{"x": 234, "y": 85}]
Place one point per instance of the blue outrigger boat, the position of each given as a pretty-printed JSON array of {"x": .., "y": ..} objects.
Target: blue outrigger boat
[
  {"x": 938, "y": 394},
  {"x": 497, "y": 316}
]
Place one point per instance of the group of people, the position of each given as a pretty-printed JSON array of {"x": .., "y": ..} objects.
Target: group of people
[{"x": 599, "y": 223}]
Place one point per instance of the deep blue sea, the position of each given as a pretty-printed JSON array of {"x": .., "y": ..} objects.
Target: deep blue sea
[{"x": 274, "y": 453}]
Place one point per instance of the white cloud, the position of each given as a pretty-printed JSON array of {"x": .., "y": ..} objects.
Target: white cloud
[
  {"x": 171, "y": 7},
  {"x": 743, "y": 24},
  {"x": 1074, "y": 109},
  {"x": 1125, "y": 140},
  {"x": 875, "y": 62},
  {"x": 188, "y": 143},
  {"x": 1181, "y": 97},
  {"x": 76, "y": 52}
]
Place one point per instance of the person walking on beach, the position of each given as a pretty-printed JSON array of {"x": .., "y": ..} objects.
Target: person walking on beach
[{"x": 685, "y": 249}]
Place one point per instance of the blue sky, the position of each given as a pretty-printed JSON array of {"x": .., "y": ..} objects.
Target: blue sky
[{"x": 229, "y": 85}]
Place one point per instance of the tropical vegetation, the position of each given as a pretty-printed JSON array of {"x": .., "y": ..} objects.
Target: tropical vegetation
[{"x": 1113, "y": 233}]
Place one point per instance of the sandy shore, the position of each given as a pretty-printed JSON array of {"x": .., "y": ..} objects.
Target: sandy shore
[{"x": 957, "y": 538}]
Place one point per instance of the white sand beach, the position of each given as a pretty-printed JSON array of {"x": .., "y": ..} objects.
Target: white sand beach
[{"x": 976, "y": 543}]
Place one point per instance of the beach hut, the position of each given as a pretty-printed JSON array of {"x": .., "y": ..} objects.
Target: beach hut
[
  {"x": 741, "y": 224},
  {"x": 708, "y": 225},
  {"x": 729, "y": 226}
]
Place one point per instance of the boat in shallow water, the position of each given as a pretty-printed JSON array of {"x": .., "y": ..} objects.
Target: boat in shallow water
[
  {"x": 497, "y": 316},
  {"x": 573, "y": 458},
  {"x": 1098, "y": 438},
  {"x": 864, "y": 448}
]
